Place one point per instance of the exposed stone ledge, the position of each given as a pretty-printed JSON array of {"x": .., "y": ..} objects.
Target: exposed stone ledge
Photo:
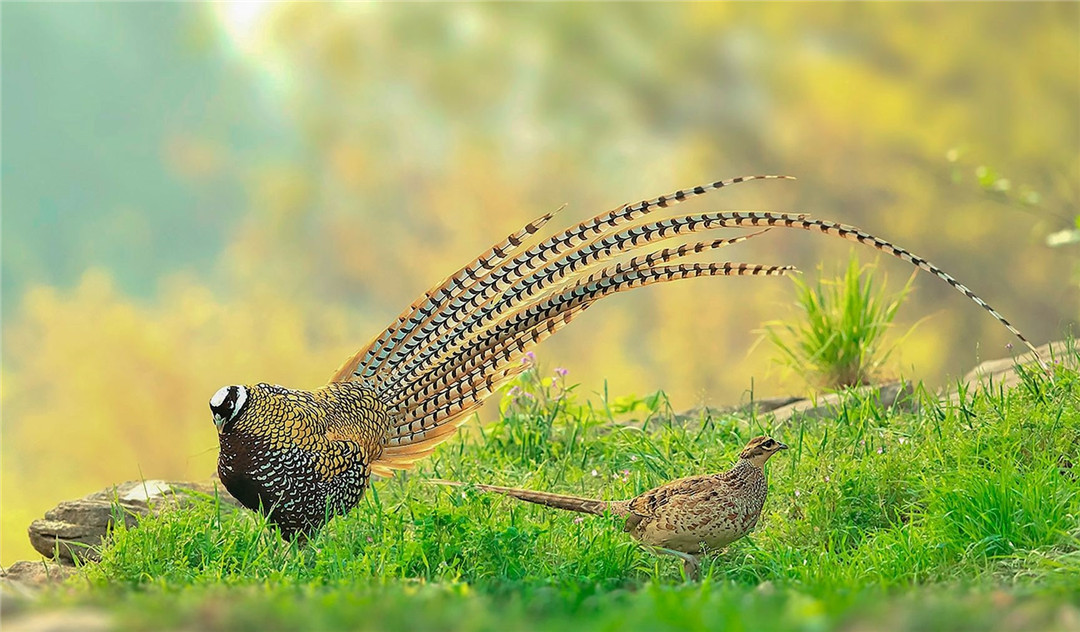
[
  {"x": 782, "y": 409},
  {"x": 36, "y": 574},
  {"x": 1002, "y": 372},
  {"x": 75, "y": 529},
  {"x": 895, "y": 395}
]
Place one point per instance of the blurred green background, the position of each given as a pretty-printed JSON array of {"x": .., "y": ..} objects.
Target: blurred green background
[{"x": 204, "y": 194}]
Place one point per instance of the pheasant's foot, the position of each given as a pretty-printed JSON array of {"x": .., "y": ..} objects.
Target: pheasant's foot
[{"x": 691, "y": 564}]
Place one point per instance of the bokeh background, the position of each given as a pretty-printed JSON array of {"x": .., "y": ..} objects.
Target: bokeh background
[{"x": 197, "y": 195}]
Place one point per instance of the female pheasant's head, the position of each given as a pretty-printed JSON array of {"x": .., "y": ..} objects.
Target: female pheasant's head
[
  {"x": 227, "y": 404},
  {"x": 760, "y": 449}
]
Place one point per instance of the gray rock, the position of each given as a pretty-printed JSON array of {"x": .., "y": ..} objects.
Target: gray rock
[
  {"x": 36, "y": 574},
  {"x": 761, "y": 406},
  {"x": 75, "y": 529},
  {"x": 21, "y": 582},
  {"x": 895, "y": 394},
  {"x": 1002, "y": 372}
]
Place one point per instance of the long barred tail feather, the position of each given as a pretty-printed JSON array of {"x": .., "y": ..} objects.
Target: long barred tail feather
[
  {"x": 401, "y": 451},
  {"x": 423, "y": 405},
  {"x": 366, "y": 363},
  {"x": 473, "y": 389},
  {"x": 851, "y": 233},
  {"x": 443, "y": 356},
  {"x": 472, "y": 383},
  {"x": 564, "y": 268},
  {"x": 422, "y": 331},
  {"x": 545, "y": 318},
  {"x": 550, "y": 278}
]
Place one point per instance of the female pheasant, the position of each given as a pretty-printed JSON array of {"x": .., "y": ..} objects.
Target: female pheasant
[
  {"x": 301, "y": 457},
  {"x": 683, "y": 517}
]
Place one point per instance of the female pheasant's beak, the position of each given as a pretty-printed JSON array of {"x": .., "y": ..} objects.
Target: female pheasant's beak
[{"x": 781, "y": 446}]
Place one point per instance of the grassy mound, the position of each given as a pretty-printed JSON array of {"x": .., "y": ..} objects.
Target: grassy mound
[{"x": 958, "y": 516}]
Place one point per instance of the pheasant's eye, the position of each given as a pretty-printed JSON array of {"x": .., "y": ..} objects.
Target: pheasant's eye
[{"x": 770, "y": 443}]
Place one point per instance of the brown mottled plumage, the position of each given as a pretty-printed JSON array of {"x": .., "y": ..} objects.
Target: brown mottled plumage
[
  {"x": 685, "y": 516},
  {"x": 302, "y": 456}
]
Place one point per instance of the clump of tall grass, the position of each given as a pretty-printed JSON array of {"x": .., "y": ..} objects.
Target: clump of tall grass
[{"x": 839, "y": 337}]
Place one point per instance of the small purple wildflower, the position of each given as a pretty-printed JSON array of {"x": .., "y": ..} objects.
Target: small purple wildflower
[
  {"x": 797, "y": 493},
  {"x": 514, "y": 391},
  {"x": 579, "y": 520},
  {"x": 625, "y": 475},
  {"x": 826, "y": 478},
  {"x": 369, "y": 539},
  {"x": 633, "y": 457},
  {"x": 561, "y": 372},
  {"x": 554, "y": 382},
  {"x": 881, "y": 450},
  {"x": 1008, "y": 346}
]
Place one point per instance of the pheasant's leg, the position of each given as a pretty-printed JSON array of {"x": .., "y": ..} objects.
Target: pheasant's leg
[
  {"x": 692, "y": 567},
  {"x": 691, "y": 564}
]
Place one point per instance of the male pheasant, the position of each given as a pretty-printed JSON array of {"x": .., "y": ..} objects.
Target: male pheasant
[
  {"x": 685, "y": 516},
  {"x": 301, "y": 457}
]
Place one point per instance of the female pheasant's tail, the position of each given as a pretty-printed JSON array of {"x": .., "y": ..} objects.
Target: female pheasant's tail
[{"x": 558, "y": 501}]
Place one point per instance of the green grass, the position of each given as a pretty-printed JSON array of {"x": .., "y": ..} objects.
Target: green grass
[
  {"x": 838, "y": 340},
  {"x": 962, "y": 516}
]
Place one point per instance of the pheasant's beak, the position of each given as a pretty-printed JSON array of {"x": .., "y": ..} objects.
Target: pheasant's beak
[
  {"x": 781, "y": 446},
  {"x": 219, "y": 423}
]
